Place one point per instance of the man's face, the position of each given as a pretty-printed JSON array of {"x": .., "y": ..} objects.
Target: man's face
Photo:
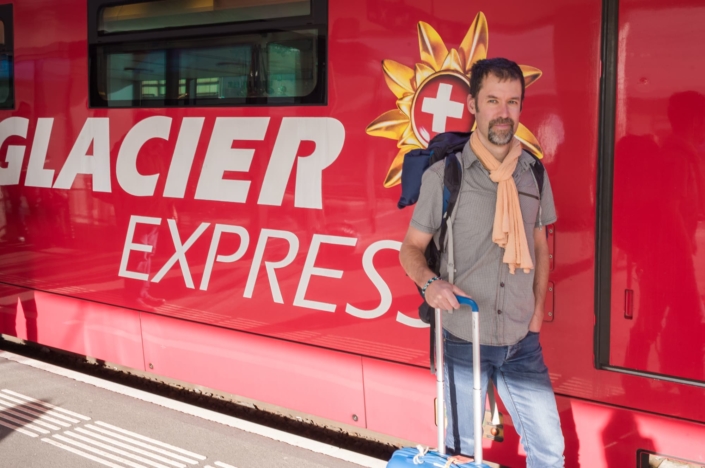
[{"x": 497, "y": 108}]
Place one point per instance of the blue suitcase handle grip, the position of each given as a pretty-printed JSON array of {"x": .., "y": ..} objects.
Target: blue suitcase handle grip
[{"x": 468, "y": 302}]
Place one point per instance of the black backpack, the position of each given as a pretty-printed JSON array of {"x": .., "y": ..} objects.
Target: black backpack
[{"x": 415, "y": 164}]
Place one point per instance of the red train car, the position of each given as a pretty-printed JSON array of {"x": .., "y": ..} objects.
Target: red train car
[{"x": 206, "y": 190}]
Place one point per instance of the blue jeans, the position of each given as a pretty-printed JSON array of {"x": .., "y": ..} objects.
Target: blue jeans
[{"x": 523, "y": 384}]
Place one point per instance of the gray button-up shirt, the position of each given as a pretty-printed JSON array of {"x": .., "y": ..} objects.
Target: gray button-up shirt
[{"x": 506, "y": 301}]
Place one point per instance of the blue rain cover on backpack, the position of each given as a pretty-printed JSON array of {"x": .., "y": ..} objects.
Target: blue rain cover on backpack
[{"x": 417, "y": 161}]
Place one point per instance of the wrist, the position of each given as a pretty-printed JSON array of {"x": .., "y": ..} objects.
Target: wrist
[
  {"x": 536, "y": 322},
  {"x": 421, "y": 279},
  {"x": 428, "y": 283}
]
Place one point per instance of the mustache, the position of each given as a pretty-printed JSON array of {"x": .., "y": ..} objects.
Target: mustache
[{"x": 501, "y": 121}]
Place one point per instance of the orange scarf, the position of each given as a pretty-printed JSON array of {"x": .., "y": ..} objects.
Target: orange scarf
[{"x": 508, "y": 229}]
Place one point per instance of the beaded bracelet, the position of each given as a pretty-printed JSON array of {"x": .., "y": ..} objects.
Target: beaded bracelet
[{"x": 428, "y": 283}]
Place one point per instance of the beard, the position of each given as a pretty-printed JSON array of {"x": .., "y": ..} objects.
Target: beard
[{"x": 501, "y": 137}]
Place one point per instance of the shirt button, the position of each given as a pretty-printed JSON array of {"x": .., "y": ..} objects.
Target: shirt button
[
  {"x": 501, "y": 285},
  {"x": 499, "y": 312}
]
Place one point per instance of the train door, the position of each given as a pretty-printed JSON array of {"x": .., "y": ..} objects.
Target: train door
[{"x": 656, "y": 322}]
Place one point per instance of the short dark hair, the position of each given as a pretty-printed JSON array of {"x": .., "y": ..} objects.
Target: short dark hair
[{"x": 502, "y": 68}]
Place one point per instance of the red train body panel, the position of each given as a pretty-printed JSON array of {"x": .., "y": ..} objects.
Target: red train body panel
[{"x": 272, "y": 231}]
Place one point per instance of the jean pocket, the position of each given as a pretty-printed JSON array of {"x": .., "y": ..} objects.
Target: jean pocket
[
  {"x": 531, "y": 343},
  {"x": 531, "y": 337}
]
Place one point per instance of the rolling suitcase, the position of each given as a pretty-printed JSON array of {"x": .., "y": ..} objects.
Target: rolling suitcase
[{"x": 421, "y": 457}]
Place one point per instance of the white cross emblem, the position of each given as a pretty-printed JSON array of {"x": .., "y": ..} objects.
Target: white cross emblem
[{"x": 442, "y": 108}]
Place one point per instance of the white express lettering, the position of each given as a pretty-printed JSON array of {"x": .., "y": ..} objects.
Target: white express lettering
[
  {"x": 384, "y": 291},
  {"x": 382, "y": 287},
  {"x": 310, "y": 270},
  {"x": 180, "y": 254},
  {"x": 328, "y": 134},
  {"x": 95, "y": 131},
  {"x": 130, "y": 245},
  {"x": 129, "y": 179},
  {"x": 12, "y": 126},
  {"x": 219, "y": 229},
  {"x": 221, "y": 157},
  {"x": 271, "y": 266}
]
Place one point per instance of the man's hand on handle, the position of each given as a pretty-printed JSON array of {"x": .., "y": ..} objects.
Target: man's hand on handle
[{"x": 441, "y": 295}]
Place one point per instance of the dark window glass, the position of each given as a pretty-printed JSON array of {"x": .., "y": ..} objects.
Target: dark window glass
[
  {"x": 6, "y": 101},
  {"x": 5, "y": 68},
  {"x": 7, "y": 93},
  {"x": 273, "y": 61},
  {"x": 143, "y": 16},
  {"x": 206, "y": 71}
]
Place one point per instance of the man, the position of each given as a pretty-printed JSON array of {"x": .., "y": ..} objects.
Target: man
[{"x": 501, "y": 260}]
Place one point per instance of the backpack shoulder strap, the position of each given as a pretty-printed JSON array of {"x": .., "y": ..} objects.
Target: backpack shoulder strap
[
  {"x": 452, "y": 178},
  {"x": 538, "y": 171}
]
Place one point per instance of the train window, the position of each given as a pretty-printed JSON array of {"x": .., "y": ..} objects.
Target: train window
[
  {"x": 653, "y": 315},
  {"x": 7, "y": 94},
  {"x": 157, "y": 54},
  {"x": 140, "y": 16},
  {"x": 203, "y": 71}
]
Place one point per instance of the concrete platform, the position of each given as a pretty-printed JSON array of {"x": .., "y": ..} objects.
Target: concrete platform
[{"x": 53, "y": 417}]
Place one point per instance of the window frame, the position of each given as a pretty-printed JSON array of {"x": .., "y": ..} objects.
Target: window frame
[
  {"x": 604, "y": 202},
  {"x": 6, "y": 16},
  {"x": 317, "y": 20}
]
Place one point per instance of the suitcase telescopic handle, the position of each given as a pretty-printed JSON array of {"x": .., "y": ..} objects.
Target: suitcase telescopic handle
[
  {"x": 468, "y": 302},
  {"x": 477, "y": 403}
]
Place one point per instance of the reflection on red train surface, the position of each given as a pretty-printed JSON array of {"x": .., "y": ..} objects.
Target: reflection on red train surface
[{"x": 205, "y": 198}]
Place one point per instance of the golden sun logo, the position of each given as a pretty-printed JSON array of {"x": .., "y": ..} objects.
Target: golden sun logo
[{"x": 431, "y": 97}]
